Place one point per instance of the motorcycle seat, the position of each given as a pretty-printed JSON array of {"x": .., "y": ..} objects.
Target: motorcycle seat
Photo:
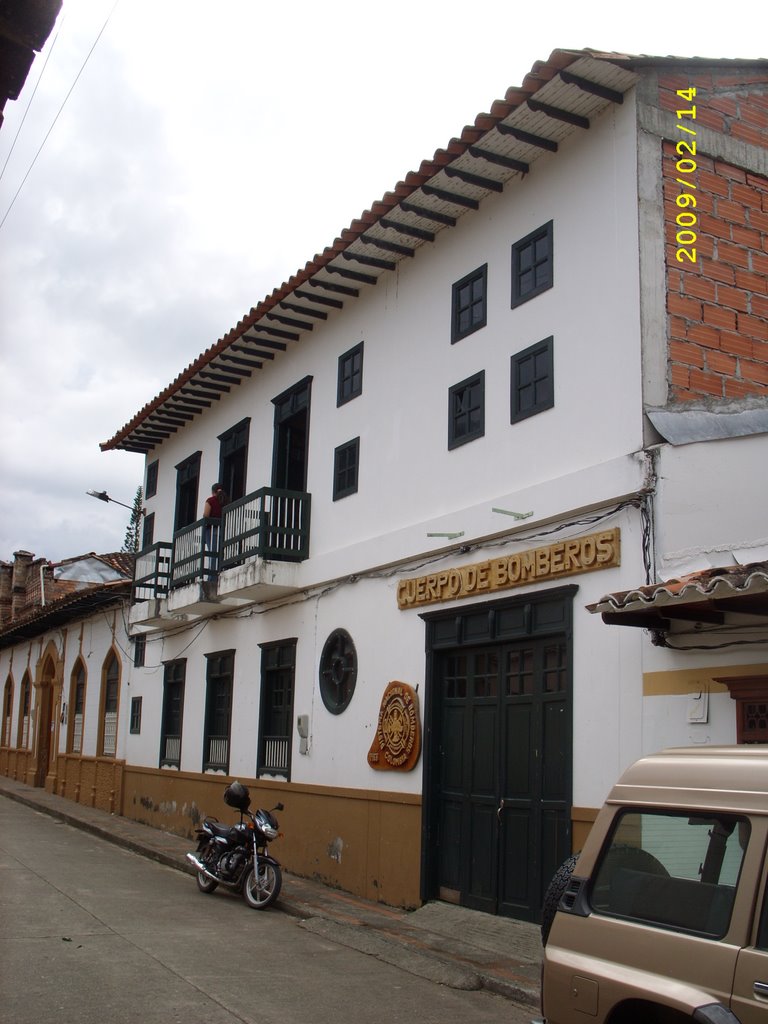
[{"x": 218, "y": 829}]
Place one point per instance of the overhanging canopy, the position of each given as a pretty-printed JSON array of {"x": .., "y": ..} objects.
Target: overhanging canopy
[{"x": 732, "y": 596}]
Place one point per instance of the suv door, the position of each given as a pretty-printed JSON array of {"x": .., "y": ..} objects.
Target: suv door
[{"x": 750, "y": 982}]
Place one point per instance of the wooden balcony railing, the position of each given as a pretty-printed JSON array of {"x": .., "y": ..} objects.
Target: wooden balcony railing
[
  {"x": 275, "y": 751},
  {"x": 196, "y": 553},
  {"x": 270, "y": 523},
  {"x": 216, "y": 754},
  {"x": 152, "y": 572},
  {"x": 170, "y": 753}
]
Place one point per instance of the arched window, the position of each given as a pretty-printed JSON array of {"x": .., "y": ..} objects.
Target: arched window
[
  {"x": 76, "y": 708},
  {"x": 25, "y": 703},
  {"x": 5, "y": 725},
  {"x": 110, "y": 695}
]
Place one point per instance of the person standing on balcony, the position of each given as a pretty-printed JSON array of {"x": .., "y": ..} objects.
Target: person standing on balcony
[
  {"x": 212, "y": 510},
  {"x": 215, "y": 502}
]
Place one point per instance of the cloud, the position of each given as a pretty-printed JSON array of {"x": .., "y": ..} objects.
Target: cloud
[{"x": 199, "y": 161}]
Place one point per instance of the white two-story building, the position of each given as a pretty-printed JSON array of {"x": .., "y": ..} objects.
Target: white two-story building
[{"x": 497, "y": 405}]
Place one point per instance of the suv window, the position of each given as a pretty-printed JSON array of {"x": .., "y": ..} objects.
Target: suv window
[{"x": 672, "y": 870}]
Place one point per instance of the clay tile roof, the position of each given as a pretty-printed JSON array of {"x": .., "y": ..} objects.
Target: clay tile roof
[
  {"x": 63, "y": 610},
  {"x": 454, "y": 180},
  {"x": 121, "y": 561},
  {"x": 710, "y": 595}
]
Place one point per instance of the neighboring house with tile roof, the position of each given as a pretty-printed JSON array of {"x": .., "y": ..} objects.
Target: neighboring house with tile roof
[
  {"x": 65, "y": 663},
  {"x": 532, "y": 375},
  {"x": 28, "y": 583}
]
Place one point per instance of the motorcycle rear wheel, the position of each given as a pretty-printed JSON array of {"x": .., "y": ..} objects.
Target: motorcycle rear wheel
[
  {"x": 204, "y": 883},
  {"x": 261, "y": 892}
]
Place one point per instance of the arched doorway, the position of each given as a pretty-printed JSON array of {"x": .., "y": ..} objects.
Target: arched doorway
[{"x": 45, "y": 749}]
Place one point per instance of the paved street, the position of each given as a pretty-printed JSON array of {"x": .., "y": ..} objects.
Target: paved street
[{"x": 89, "y": 932}]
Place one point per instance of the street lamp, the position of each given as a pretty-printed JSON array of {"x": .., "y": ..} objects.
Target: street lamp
[{"x": 103, "y": 496}]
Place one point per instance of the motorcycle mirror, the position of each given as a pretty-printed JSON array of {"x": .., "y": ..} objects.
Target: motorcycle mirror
[{"x": 279, "y": 807}]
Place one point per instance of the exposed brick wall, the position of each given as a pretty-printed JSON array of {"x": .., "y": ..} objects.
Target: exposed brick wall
[
  {"x": 20, "y": 587},
  {"x": 718, "y": 306}
]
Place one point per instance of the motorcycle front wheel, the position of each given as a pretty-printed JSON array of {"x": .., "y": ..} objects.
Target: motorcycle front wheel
[{"x": 262, "y": 891}]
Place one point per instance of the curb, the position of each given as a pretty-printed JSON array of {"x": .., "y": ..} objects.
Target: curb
[{"x": 408, "y": 952}]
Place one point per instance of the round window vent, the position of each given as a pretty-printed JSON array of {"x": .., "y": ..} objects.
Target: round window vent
[{"x": 338, "y": 671}]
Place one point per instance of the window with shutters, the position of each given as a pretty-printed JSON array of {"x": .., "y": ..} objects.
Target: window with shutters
[
  {"x": 533, "y": 381},
  {"x": 218, "y": 710},
  {"x": 110, "y": 699},
  {"x": 469, "y": 305}
]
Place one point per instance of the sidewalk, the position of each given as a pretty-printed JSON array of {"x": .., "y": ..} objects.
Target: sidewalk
[{"x": 449, "y": 945}]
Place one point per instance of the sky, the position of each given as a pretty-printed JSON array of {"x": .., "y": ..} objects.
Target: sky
[{"x": 166, "y": 167}]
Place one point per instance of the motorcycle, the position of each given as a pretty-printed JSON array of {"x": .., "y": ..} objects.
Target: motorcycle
[{"x": 236, "y": 856}]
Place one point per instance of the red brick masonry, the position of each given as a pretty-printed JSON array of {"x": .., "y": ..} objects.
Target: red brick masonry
[{"x": 718, "y": 306}]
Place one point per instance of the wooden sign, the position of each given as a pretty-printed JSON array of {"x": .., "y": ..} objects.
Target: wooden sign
[
  {"x": 397, "y": 743},
  {"x": 577, "y": 555}
]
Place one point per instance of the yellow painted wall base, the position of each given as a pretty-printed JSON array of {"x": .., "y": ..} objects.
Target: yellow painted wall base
[
  {"x": 692, "y": 680},
  {"x": 364, "y": 842},
  {"x": 93, "y": 781},
  {"x": 16, "y": 764}
]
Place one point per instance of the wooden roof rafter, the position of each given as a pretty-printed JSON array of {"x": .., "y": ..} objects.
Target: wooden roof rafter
[{"x": 558, "y": 96}]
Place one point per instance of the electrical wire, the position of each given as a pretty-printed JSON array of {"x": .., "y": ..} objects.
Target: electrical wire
[
  {"x": 646, "y": 518},
  {"x": 31, "y": 98},
  {"x": 58, "y": 114},
  {"x": 710, "y": 647},
  {"x": 322, "y": 590}
]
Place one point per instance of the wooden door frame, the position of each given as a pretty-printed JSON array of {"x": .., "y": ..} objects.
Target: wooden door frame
[
  {"x": 449, "y": 629},
  {"x": 47, "y": 687},
  {"x": 294, "y": 401}
]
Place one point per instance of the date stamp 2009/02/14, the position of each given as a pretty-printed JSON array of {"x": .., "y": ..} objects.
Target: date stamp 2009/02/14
[{"x": 686, "y": 218}]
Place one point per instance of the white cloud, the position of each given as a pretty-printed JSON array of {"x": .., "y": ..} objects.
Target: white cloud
[{"x": 200, "y": 160}]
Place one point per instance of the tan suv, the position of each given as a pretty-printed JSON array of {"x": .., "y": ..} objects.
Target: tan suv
[{"x": 664, "y": 916}]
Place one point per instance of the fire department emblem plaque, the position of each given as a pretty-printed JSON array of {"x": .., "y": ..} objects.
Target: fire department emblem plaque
[{"x": 397, "y": 744}]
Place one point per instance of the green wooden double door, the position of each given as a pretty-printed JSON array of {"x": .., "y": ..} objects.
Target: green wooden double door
[{"x": 501, "y": 766}]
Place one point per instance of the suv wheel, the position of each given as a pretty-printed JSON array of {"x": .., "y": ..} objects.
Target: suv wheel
[{"x": 555, "y": 890}]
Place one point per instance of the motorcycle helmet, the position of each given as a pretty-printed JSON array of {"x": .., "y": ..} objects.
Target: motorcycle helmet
[{"x": 236, "y": 795}]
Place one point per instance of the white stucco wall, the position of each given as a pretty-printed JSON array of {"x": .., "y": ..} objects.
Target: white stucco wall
[
  {"x": 666, "y": 724},
  {"x": 576, "y": 456},
  {"x": 712, "y": 497},
  {"x": 91, "y": 639},
  {"x": 561, "y": 465},
  {"x": 407, "y": 473}
]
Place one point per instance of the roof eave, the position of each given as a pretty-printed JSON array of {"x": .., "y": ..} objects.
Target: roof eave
[{"x": 376, "y": 243}]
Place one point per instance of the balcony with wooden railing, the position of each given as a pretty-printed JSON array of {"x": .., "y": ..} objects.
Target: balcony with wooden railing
[
  {"x": 269, "y": 525},
  {"x": 152, "y": 572},
  {"x": 196, "y": 553}
]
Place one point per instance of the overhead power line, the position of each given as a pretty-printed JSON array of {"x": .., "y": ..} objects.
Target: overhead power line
[
  {"x": 34, "y": 91},
  {"x": 58, "y": 113}
]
